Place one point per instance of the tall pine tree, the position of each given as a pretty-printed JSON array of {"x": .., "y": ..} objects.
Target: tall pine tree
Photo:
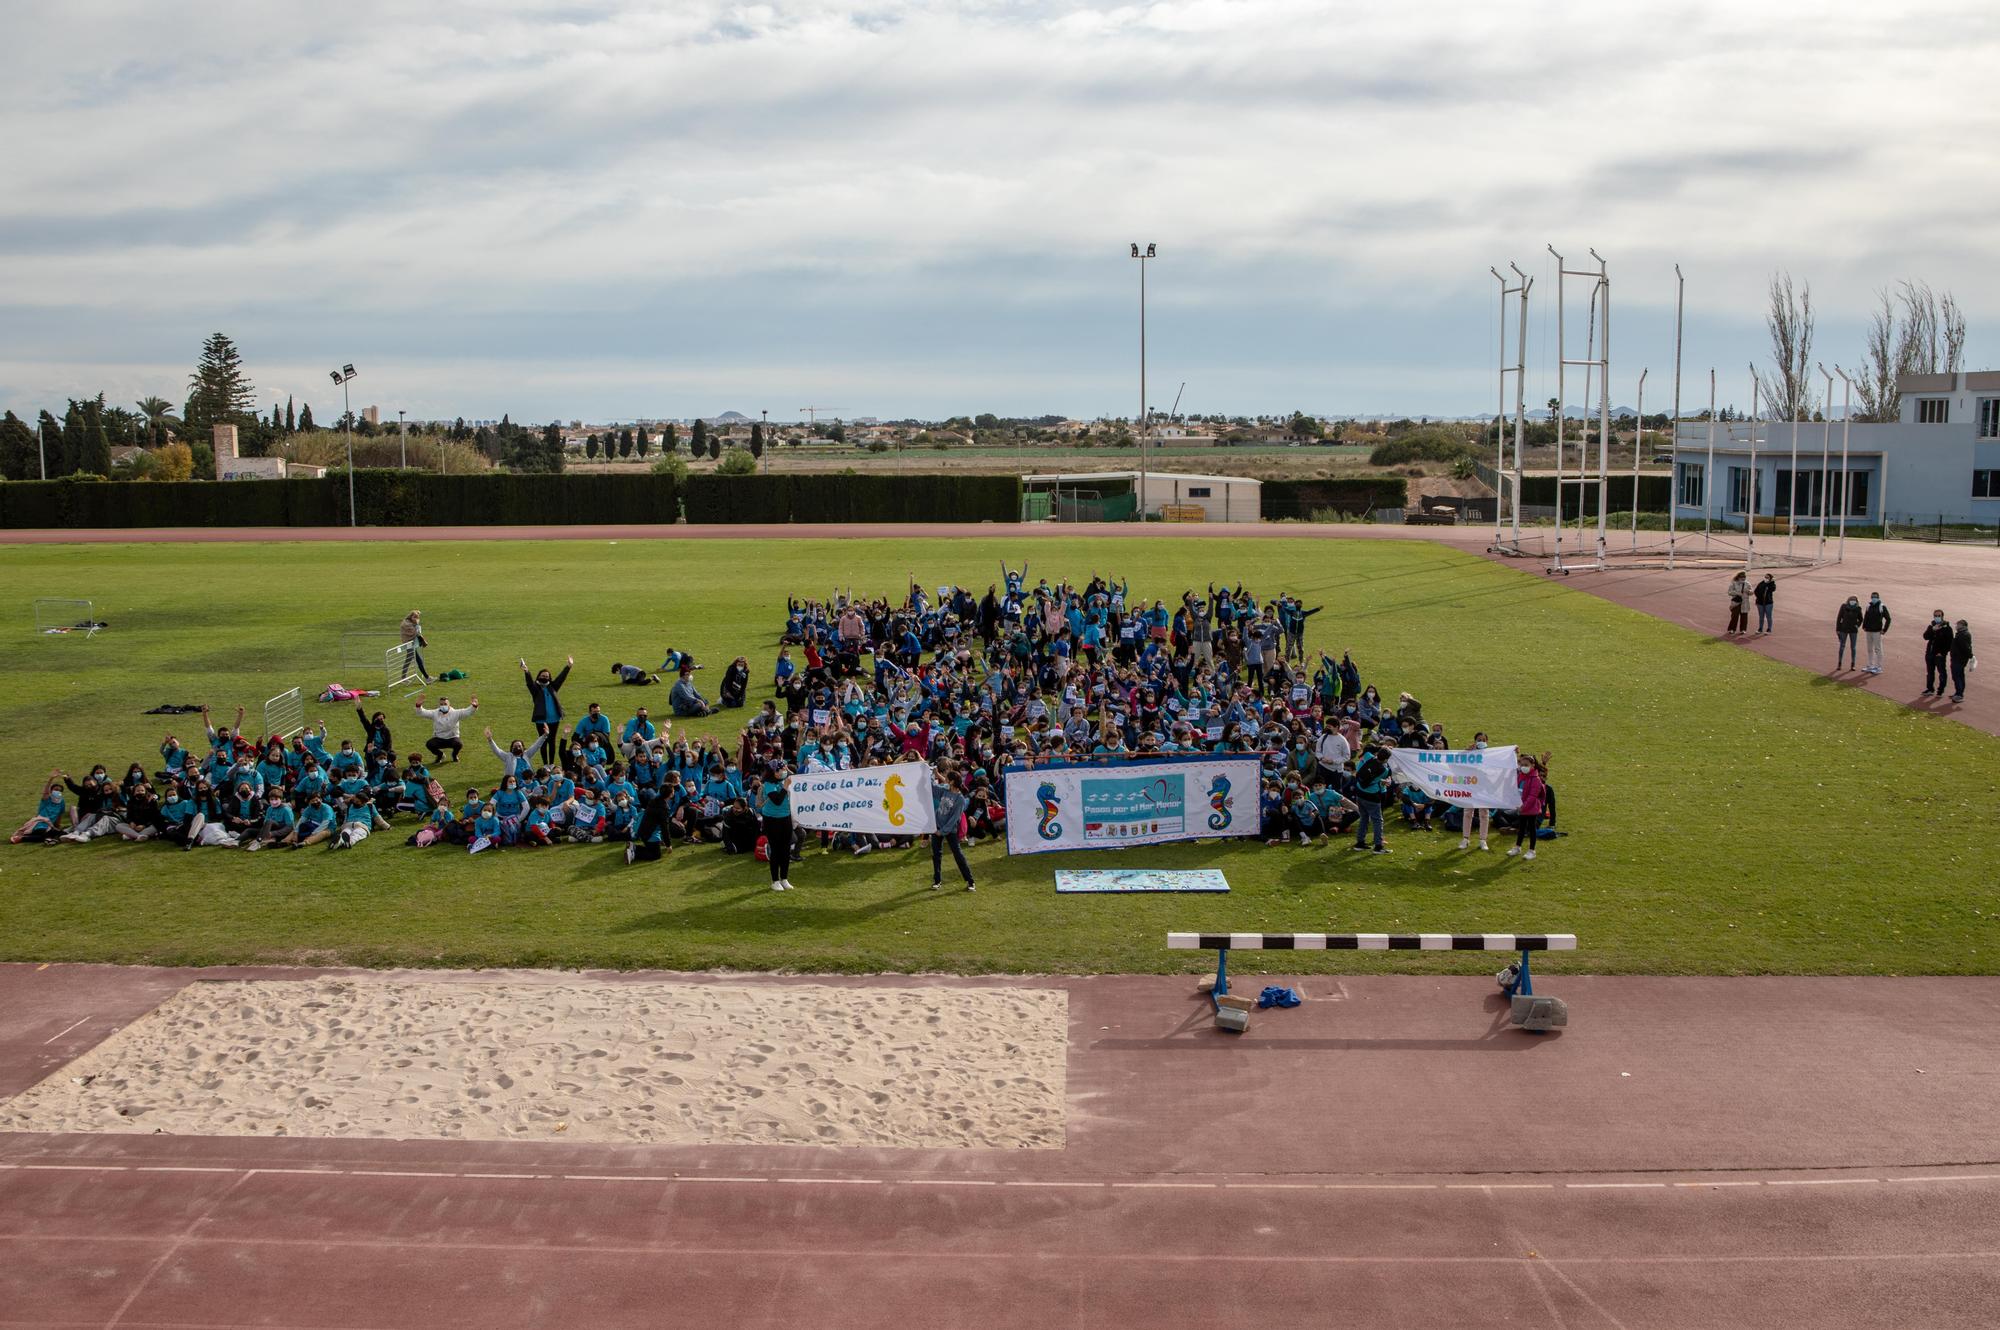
[
  {"x": 19, "y": 459},
  {"x": 94, "y": 452},
  {"x": 219, "y": 392}
]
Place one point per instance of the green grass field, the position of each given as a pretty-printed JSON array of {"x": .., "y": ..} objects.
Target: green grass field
[{"x": 1727, "y": 814}]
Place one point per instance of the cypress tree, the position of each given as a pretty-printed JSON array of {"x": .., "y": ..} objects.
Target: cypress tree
[
  {"x": 698, "y": 437},
  {"x": 670, "y": 439},
  {"x": 756, "y": 438},
  {"x": 306, "y": 425},
  {"x": 641, "y": 442},
  {"x": 291, "y": 421},
  {"x": 94, "y": 452},
  {"x": 590, "y": 447},
  {"x": 19, "y": 459}
]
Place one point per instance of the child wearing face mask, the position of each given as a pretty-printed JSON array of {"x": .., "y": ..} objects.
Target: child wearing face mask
[
  {"x": 1533, "y": 780},
  {"x": 1480, "y": 819}
]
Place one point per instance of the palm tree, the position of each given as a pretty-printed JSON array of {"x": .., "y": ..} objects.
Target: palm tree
[{"x": 159, "y": 415}]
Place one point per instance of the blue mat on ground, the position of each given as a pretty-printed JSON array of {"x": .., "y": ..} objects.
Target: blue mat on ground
[{"x": 1088, "y": 881}]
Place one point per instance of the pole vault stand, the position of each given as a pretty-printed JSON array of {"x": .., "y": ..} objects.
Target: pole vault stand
[{"x": 1531, "y": 1012}]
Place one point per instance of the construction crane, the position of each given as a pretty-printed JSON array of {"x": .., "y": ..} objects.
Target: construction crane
[{"x": 812, "y": 413}]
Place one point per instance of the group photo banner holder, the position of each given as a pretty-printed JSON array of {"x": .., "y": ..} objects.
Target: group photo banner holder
[
  {"x": 1131, "y": 803},
  {"x": 1468, "y": 777}
]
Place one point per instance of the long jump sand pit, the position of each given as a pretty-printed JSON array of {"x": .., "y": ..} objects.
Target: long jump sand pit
[{"x": 571, "y": 1059}]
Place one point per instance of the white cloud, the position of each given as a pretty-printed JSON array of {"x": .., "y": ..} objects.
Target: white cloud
[{"x": 548, "y": 186}]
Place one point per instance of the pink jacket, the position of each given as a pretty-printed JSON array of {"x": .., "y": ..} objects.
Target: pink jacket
[{"x": 1530, "y": 782}]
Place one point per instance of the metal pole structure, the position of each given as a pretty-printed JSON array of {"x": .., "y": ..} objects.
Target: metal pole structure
[
  {"x": 403, "y": 428},
  {"x": 1562, "y": 361},
  {"x": 1708, "y": 474},
  {"x": 1145, "y": 413},
  {"x": 1500, "y": 412},
  {"x": 1638, "y": 440},
  {"x": 347, "y": 423},
  {"x": 1847, "y": 477},
  {"x": 1604, "y": 413},
  {"x": 1674, "y": 446},
  {"x": 1750, "y": 504},
  {"x": 1792, "y": 485},
  {"x": 1825, "y": 458},
  {"x": 1520, "y": 392},
  {"x": 42, "y": 446}
]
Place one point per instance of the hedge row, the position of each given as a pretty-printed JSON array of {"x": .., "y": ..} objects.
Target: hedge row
[
  {"x": 853, "y": 498},
  {"x": 1350, "y": 494},
  {"x": 414, "y": 498},
  {"x": 1655, "y": 493}
]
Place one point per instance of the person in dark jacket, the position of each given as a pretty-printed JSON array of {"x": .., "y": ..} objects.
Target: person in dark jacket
[
  {"x": 735, "y": 683},
  {"x": 1847, "y": 633},
  {"x": 1370, "y": 792},
  {"x": 1765, "y": 595},
  {"x": 1961, "y": 658},
  {"x": 1875, "y": 622},
  {"x": 547, "y": 706},
  {"x": 949, "y": 805},
  {"x": 1937, "y": 653}
]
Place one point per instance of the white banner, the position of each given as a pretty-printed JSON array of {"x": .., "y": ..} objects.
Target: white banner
[
  {"x": 1468, "y": 777},
  {"x": 1130, "y": 803},
  {"x": 886, "y": 801}
]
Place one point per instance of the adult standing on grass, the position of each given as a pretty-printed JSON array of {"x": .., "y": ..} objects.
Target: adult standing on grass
[
  {"x": 1962, "y": 659},
  {"x": 1937, "y": 653},
  {"x": 949, "y": 805},
  {"x": 1765, "y": 595},
  {"x": 1875, "y": 621},
  {"x": 543, "y": 697},
  {"x": 1739, "y": 587},
  {"x": 413, "y": 638},
  {"x": 774, "y": 806},
  {"x": 1370, "y": 792},
  {"x": 1847, "y": 633},
  {"x": 445, "y": 720}
]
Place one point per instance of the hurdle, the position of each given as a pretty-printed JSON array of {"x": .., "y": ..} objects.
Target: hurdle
[
  {"x": 1532, "y": 1013},
  {"x": 284, "y": 715},
  {"x": 59, "y": 618}
]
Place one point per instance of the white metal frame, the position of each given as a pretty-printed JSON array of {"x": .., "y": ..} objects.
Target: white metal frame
[
  {"x": 1593, "y": 363},
  {"x": 399, "y": 669},
  {"x": 57, "y": 617},
  {"x": 1506, "y": 528},
  {"x": 284, "y": 715}
]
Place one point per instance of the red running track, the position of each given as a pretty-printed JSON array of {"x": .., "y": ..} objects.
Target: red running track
[{"x": 1691, "y": 1152}]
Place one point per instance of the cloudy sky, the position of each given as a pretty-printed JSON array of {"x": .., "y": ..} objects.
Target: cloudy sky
[{"x": 610, "y": 210}]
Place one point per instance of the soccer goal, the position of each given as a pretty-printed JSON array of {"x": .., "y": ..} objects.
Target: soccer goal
[
  {"x": 57, "y": 618},
  {"x": 285, "y": 715},
  {"x": 399, "y": 670}
]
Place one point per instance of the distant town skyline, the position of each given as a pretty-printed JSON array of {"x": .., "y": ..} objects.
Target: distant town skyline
[{"x": 918, "y": 210}]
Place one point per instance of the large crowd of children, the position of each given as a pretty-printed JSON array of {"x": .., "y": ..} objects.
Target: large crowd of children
[{"x": 1028, "y": 674}]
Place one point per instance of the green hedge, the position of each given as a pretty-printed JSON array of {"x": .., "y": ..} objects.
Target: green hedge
[
  {"x": 1350, "y": 494},
  {"x": 853, "y": 498},
  {"x": 418, "y": 498},
  {"x": 1655, "y": 493}
]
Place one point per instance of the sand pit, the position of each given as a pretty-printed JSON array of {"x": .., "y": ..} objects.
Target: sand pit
[{"x": 569, "y": 1059}]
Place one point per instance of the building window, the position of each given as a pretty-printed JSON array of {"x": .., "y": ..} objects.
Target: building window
[
  {"x": 1198, "y": 491},
  {"x": 1986, "y": 484},
  {"x": 1989, "y": 417},
  {"x": 1691, "y": 486},
  {"x": 1857, "y": 494},
  {"x": 1933, "y": 410},
  {"x": 1739, "y": 489}
]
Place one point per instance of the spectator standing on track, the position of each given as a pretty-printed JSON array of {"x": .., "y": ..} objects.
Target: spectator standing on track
[
  {"x": 413, "y": 638},
  {"x": 1739, "y": 587},
  {"x": 1875, "y": 622},
  {"x": 1962, "y": 659},
  {"x": 543, "y": 690},
  {"x": 1846, "y": 633},
  {"x": 1765, "y": 594},
  {"x": 1937, "y": 653},
  {"x": 445, "y": 720}
]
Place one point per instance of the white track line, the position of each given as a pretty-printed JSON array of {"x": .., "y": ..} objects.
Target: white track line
[{"x": 65, "y": 1030}]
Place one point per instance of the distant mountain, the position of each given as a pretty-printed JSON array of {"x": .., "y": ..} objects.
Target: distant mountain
[{"x": 729, "y": 418}]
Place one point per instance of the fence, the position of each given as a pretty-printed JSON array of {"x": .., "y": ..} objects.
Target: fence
[
  {"x": 1939, "y": 529},
  {"x": 285, "y": 715},
  {"x": 57, "y": 618}
]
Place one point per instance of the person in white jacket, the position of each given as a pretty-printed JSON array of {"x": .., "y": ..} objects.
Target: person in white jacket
[{"x": 445, "y": 720}]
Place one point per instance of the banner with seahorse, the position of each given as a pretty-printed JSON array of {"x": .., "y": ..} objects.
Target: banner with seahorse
[
  {"x": 884, "y": 801},
  {"x": 1129, "y": 802}
]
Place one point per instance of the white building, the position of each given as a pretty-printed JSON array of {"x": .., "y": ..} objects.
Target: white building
[
  {"x": 1940, "y": 461},
  {"x": 1120, "y": 495}
]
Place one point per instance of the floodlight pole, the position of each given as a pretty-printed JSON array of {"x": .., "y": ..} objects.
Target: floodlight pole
[
  {"x": 1708, "y": 474},
  {"x": 1846, "y": 477},
  {"x": 403, "y": 428},
  {"x": 1825, "y": 457},
  {"x": 1144, "y": 413},
  {"x": 42, "y": 446},
  {"x": 1674, "y": 445},
  {"x": 347, "y": 424},
  {"x": 1750, "y": 503},
  {"x": 1638, "y": 440}
]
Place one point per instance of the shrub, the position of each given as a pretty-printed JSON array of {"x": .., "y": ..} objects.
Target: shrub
[
  {"x": 1422, "y": 446},
  {"x": 736, "y": 462}
]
